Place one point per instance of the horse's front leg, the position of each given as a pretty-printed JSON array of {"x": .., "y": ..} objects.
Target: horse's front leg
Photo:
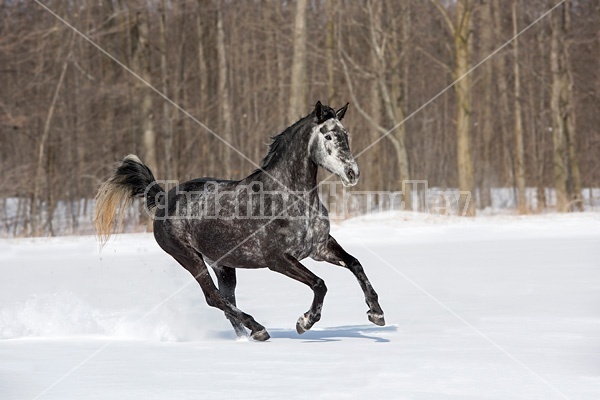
[
  {"x": 333, "y": 253},
  {"x": 291, "y": 267}
]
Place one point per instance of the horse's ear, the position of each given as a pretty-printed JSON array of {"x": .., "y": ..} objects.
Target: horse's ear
[
  {"x": 319, "y": 111},
  {"x": 339, "y": 114}
]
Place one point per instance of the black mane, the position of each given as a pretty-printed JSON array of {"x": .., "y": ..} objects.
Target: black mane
[{"x": 281, "y": 141}]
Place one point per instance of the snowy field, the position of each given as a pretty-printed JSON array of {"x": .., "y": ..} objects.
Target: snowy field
[{"x": 489, "y": 308}]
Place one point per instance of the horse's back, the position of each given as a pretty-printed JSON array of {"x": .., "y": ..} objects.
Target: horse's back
[
  {"x": 225, "y": 222},
  {"x": 199, "y": 214}
]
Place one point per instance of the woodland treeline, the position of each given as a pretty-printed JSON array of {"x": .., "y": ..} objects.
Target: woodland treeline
[{"x": 527, "y": 117}]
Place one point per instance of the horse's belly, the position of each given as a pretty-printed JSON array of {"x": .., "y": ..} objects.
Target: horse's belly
[
  {"x": 230, "y": 248},
  {"x": 256, "y": 250}
]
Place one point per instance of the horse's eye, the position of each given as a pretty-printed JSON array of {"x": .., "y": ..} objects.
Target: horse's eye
[{"x": 328, "y": 137}]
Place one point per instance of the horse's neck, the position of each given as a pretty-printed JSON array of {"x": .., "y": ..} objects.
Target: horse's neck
[
  {"x": 295, "y": 170},
  {"x": 300, "y": 175}
]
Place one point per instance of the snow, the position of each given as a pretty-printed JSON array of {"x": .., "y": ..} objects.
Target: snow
[{"x": 491, "y": 307}]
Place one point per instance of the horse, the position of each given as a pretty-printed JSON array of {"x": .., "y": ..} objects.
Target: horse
[{"x": 271, "y": 219}]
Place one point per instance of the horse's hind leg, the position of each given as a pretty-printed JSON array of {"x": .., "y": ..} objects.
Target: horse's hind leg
[
  {"x": 193, "y": 262},
  {"x": 227, "y": 282},
  {"x": 335, "y": 254},
  {"x": 291, "y": 267}
]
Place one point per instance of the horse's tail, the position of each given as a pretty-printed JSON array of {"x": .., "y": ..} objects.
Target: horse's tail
[{"x": 131, "y": 179}]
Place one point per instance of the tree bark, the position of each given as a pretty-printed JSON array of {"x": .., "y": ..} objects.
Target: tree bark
[
  {"x": 502, "y": 75},
  {"x": 298, "y": 80},
  {"x": 575, "y": 195},
  {"x": 538, "y": 125},
  {"x": 519, "y": 150},
  {"x": 166, "y": 117},
  {"x": 487, "y": 71},
  {"x": 202, "y": 75},
  {"x": 43, "y": 142},
  {"x": 141, "y": 62},
  {"x": 562, "y": 118},
  {"x": 461, "y": 33},
  {"x": 463, "y": 47},
  {"x": 329, "y": 46},
  {"x": 223, "y": 90}
]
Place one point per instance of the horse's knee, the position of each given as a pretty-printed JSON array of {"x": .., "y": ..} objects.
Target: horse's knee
[
  {"x": 230, "y": 297},
  {"x": 212, "y": 301},
  {"x": 355, "y": 267},
  {"x": 355, "y": 264},
  {"x": 320, "y": 287}
]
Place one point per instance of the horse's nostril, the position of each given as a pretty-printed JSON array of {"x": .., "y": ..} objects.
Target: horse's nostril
[{"x": 351, "y": 175}]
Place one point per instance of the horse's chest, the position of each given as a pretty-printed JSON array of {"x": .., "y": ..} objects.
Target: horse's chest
[{"x": 307, "y": 235}]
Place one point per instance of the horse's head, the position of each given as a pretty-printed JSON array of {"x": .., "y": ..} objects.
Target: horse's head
[{"x": 329, "y": 146}]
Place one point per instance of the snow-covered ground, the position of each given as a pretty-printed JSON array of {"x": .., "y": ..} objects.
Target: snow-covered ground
[{"x": 494, "y": 308}]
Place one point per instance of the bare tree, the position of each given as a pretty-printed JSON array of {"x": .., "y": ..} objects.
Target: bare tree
[
  {"x": 329, "y": 46},
  {"x": 463, "y": 44},
  {"x": 503, "y": 105},
  {"x": 505, "y": 124},
  {"x": 298, "y": 79},
  {"x": 142, "y": 65},
  {"x": 37, "y": 178},
  {"x": 223, "y": 92},
  {"x": 487, "y": 123},
  {"x": 566, "y": 169},
  {"x": 390, "y": 87},
  {"x": 167, "y": 128},
  {"x": 519, "y": 149}
]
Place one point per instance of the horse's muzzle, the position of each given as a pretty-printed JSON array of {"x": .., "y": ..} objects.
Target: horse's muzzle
[{"x": 352, "y": 174}]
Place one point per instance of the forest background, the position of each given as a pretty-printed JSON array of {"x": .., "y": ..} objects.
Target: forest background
[{"x": 496, "y": 97}]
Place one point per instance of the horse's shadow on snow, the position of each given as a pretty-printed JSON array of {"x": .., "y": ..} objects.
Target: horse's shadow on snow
[{"x": 336, "y": 333}]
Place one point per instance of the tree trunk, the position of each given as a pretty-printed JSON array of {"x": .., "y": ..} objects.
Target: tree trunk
[
  {"x": 487, "y": 71},
  {"x": 558, "y": 101},
  {"x": 574, "y": 176},
  {"x": 519, "y": 150},
  {"x": 141, "y": 62},
  {"x": 502, "y": 78},
  {"x": 202, "y": 77},
  {"x": 329, "y": 45},
  {"x": 462, "y": 46},
  {"x": 538, "y": 122},
  {"x": 576, "y": 195},
  {"x": 298, "y": 80},
  {"x": 166, "y": 117},
  {"x": 35, "y": 207},
  {"x": 223, "y": 90},
  {"x": 399, "y": 89}
]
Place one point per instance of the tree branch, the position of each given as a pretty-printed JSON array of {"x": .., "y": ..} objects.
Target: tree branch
[
  {"x": 445, "y": 15},
  {"x": 354, "y": 98}
]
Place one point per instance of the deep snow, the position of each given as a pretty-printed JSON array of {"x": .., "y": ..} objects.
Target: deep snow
[{"x": 495, "y": 308}]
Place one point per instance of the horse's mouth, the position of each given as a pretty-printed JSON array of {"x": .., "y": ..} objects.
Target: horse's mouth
[{"x": 347, "y": 183}]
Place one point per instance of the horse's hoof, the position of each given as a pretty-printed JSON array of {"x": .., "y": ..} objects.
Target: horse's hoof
[
  {"x": 303, "y": 325},
  {"x": 375, "y": 318},
  {"x": 261, "y": 335}
]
